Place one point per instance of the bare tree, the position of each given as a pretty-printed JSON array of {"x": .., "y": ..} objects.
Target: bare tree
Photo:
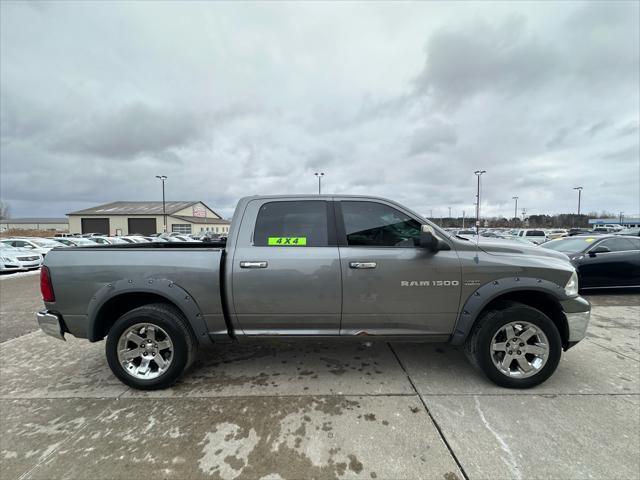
[{"x": 5, "y": 210}]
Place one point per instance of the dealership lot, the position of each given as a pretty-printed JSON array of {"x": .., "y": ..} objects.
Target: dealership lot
[{"x": 317, "y": 410}]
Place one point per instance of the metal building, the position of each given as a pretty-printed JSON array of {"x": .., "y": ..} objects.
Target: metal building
[{"x": 124, "y": 218}]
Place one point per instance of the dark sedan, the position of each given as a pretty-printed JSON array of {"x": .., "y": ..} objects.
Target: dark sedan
[{"x": 603, "y": 261}]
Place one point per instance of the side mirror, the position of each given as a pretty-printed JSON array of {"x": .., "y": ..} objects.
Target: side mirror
[
  {"x": 429, "y": 241},
  {"x": 600, "y": 249}
]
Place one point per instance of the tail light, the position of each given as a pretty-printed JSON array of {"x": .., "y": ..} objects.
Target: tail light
[{"x": 46, "y": 288}]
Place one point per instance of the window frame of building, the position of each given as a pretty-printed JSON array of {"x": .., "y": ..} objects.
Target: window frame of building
[{"x": 181, "y": 228}]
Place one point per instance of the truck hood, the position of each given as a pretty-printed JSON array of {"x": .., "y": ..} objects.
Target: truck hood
[{"x": 508, "y": 247}]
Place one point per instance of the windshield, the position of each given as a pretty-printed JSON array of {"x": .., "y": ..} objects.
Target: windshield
[
  {"x": 4, "y": 246},
  {"x": 570, "y": 245}
]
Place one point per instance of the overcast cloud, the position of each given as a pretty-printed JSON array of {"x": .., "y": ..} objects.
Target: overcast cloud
[{"x": 402, "y": 100}]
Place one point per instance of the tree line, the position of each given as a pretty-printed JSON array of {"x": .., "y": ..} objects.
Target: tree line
[{"x": 561, "y": 220}]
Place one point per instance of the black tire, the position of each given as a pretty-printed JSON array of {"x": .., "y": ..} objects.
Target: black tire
[
  {"x": 478, "y": 345},
  {"x": 173, "y": 322}
]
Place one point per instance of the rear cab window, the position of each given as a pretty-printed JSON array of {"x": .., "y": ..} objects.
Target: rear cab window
[
  {"x": 293, "y": 224},
  {"x": 535, "y": 233}
]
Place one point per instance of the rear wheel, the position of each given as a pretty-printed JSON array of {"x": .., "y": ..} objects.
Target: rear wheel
[
  {"x": 149, "y": 347},
  {"x": 515, "y": 345}
]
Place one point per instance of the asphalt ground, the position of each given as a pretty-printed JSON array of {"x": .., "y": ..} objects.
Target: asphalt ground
[{"x": 317, "y": 410}]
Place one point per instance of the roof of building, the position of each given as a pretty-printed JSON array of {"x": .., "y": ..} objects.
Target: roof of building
[
  {"x": 207, "y": 220},
  {"x": 34, "y": 220},
  {"x": 137, "y": 208}
]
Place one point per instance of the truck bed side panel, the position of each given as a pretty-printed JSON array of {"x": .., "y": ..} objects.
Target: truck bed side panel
[{"x": 84, "y": 279}]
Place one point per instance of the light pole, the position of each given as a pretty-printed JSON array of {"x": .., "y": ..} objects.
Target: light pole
[
  {"x": 621, "y": 217},
  {"x": 164, "y": 209},
  {"x": 463, "y": 219},
  {"x": 515, "y": 210},
  {"x": 478, "y": 173},
  {"x": 319, "y": 175},
  {"x": 579, "y": 198}
]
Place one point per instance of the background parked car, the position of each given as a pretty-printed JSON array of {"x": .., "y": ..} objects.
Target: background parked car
[
  {"x": 533, "y": 234},
  {"x": 634, "y": 232},
  {"x": 134, "y": 239},
  {"x": 81, "y": 242},
  {"x": 17, "y": 259},
  {"x": 41, "y": 246},
  {"x": 108, "y": 240},
  {"x": 603, "y": 261},
  {"x": 556, "y": 233}
]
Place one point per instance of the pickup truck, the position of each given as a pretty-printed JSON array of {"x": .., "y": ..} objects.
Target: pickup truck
[{"x": 330, "y": 267}]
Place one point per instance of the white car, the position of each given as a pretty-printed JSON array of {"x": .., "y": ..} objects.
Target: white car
[
  {"x": 74, "y": 241},
  {"x": 557, "y": 233},
  {"x": 17, "y": 259},
  {"x": 534, "y": 235},
  {"x": 33, "y": 244},
  {"x": 134, "y": 239},
  {"x": 108, "y": 240}
]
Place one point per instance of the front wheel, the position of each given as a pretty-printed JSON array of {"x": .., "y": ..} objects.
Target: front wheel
[
  {"x": 515, "y": 345},
  {"x": 149, "y": 347}
]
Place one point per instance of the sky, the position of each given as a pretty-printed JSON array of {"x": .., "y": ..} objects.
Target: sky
[{"x": 401, "y": 100}]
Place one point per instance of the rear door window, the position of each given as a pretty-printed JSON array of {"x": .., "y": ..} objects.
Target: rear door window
[{"x": 292, "y": 224}]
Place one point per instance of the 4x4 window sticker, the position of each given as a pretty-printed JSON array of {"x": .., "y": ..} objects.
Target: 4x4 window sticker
[{"x": 286, "y": 241}]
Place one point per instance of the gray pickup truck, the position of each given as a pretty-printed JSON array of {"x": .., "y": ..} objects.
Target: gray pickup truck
[{"x": 346, "y": 267}]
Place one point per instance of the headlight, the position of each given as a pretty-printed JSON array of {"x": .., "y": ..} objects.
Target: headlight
[
  {"x": 7, "y": 259},
  {"x": 571, "y": 288}
]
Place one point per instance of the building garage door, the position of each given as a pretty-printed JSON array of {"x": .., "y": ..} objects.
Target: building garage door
[
  {"x": 95, "y": 225},
  {"x": 145, "y": 226}
]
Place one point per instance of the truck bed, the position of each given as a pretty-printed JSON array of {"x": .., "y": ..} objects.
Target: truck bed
[{"x": 187, "y": 274}]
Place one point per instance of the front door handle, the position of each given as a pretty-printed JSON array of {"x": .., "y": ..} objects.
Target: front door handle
[
  {"x": 361, "y": 265},
  {"x": 260, "y": 264}
]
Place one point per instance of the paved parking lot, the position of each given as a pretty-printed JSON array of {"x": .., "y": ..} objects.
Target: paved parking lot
[{"x": 313, "y": 410}]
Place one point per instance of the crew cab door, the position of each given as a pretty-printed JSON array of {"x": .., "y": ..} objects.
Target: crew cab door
[
  {"x": 286, "y": 270},
  {"x": 390, "y": 285}
]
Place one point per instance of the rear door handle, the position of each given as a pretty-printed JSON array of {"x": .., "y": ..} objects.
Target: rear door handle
[
  {"x": 259, "y": 264},
  {"x": 361, "y": 265}
]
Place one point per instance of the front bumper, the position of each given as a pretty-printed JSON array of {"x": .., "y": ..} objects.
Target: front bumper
[
  {"x": 31, "y": 265},
  {"x": 578, "y": 313},
  {"x": 51, "y": 324},
  {"x": 10, "y": 267}
]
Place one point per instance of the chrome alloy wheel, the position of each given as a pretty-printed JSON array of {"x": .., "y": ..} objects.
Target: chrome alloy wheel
[
  {"x": 145, "y": 351},
  {"x": 519, "y": 349}
]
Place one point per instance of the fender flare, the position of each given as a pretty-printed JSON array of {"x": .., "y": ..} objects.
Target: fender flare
[
  {"x": 479, "y": 299},
  {"x": 157, "y": 286}
]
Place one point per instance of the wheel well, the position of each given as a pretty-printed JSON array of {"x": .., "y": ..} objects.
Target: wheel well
[
  {"x": 544, "y": 302},
  {"x": 117, "y": 306}
]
